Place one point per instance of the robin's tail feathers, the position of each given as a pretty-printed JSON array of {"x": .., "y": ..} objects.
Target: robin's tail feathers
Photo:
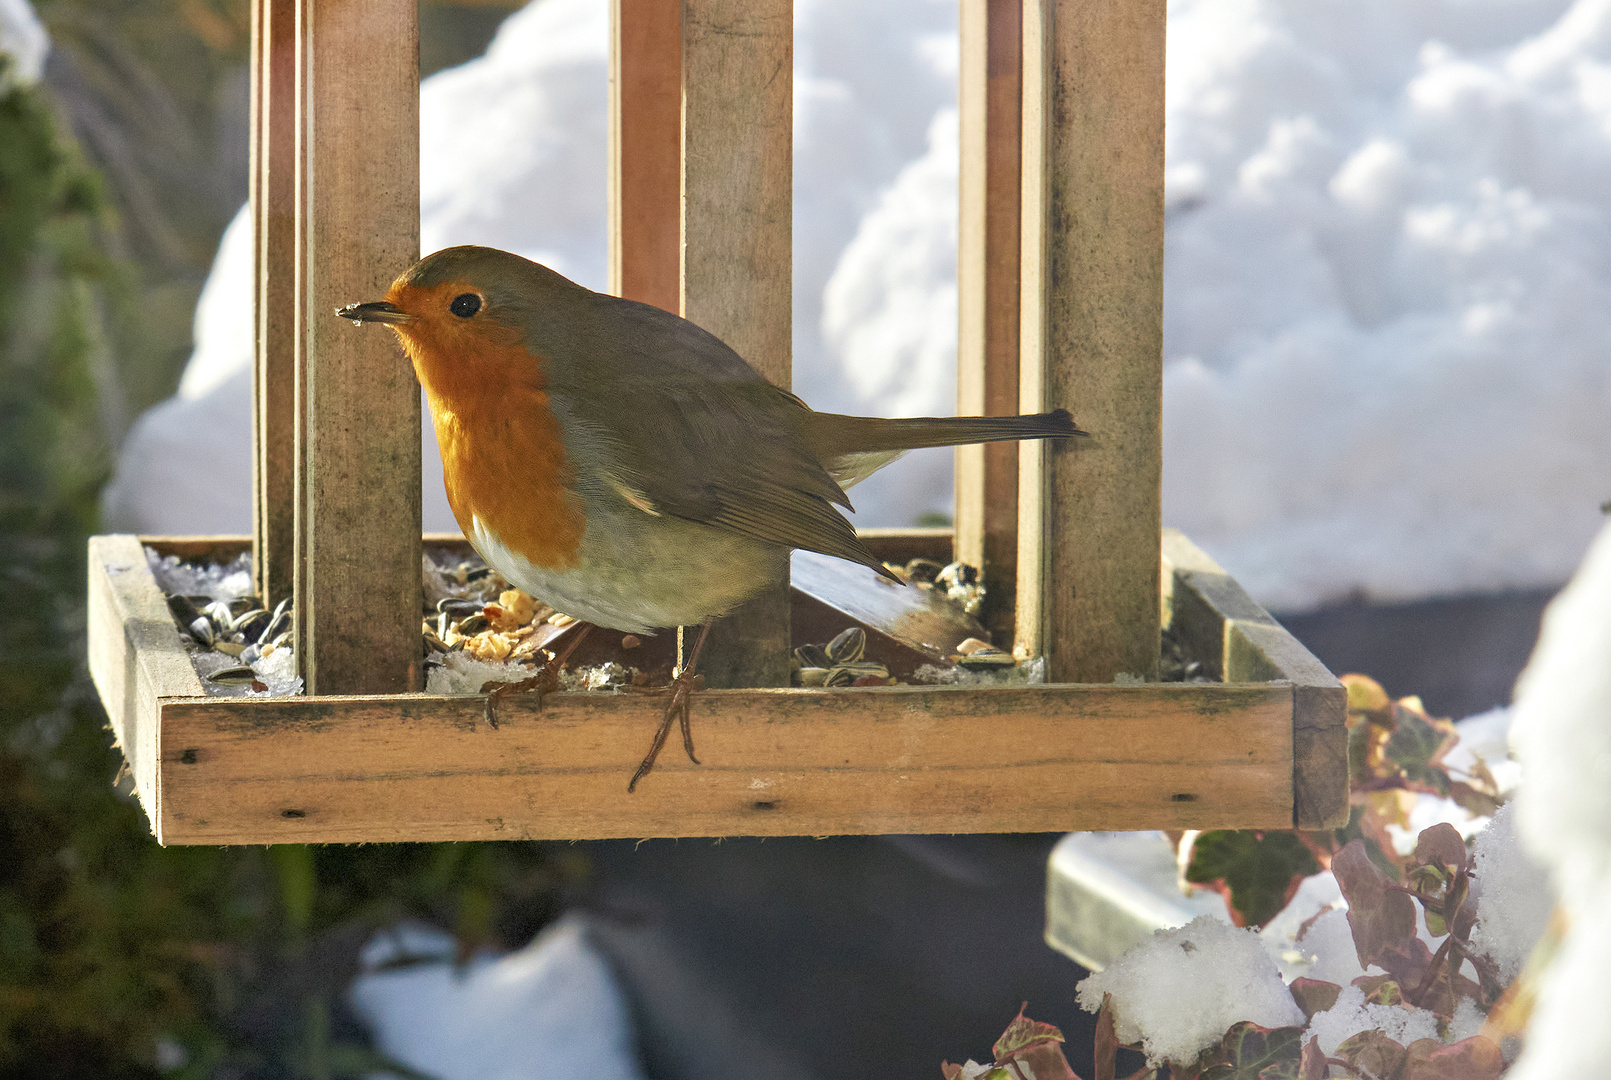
[{"x": 834, "y": 435}]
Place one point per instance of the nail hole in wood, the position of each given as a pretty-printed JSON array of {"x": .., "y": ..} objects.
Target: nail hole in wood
[
  {"x": 187, "y": 758},
  {"x": 293, "y": 813},
  {"x": 764, "y": 805},
  {"x": 1184, "y": 796}
]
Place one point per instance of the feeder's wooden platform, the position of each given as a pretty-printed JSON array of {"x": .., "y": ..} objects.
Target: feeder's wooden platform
[{"x": 1263, "y": 749}]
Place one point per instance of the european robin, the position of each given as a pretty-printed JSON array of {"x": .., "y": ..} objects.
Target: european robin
[{"x": 623, "y": 465}]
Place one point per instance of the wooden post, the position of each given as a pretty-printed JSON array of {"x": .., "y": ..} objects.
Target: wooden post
[
  {"x": 273, "y": 196},
  {"x": 737, "y": 209},
  {"x": 991, "y": 94},
  {"x": 358, "y": 504},
  {"x": 1092, "y": 335},
  {"x": 645, "y": 170}
]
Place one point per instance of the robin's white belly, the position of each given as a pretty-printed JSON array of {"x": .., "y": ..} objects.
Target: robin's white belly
[{"x": 636, "y": 573}]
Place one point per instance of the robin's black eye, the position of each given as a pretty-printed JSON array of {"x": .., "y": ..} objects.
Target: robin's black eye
[{"x": 465, "y": 305}]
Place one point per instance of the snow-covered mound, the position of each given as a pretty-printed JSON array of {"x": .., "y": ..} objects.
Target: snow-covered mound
[{"x": 1386, "y": 282}]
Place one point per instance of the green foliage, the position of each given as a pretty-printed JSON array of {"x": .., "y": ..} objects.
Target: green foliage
[
  {"x": 1256, "y": 871},
  {"x": 119, "y": 958}
]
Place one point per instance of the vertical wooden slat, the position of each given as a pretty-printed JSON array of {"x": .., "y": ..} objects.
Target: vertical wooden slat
[
  {"x": 737, "y": 205},
  {"x": 360, "y": 535},
  {"x": 645, "y": 169},
  {"x": 991, "y": 96},
  {"x": 1092, "y": 334},
  {"x": 273, "y": 196},
  {"x": 256, "y": 162}
]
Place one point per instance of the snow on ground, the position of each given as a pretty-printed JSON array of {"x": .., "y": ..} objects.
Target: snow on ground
[
  {"x": 1388, "y": 260},
  {"x": 1562, "y": 732},
  {"x": 549, "y": 1009}
]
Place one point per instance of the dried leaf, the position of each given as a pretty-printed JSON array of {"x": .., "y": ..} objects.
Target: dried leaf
[
  {"x": 1313, "y": 995},
  {"x": 1379, "y": 916},
  {"x": 1258, "y": 872},
  {"x": 1251, "y": 1052}
]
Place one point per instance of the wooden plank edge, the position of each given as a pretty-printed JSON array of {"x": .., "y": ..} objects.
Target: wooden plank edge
[
  {"x": 136, "y": 658},
  {"x": 1252, "y": 646},
  {"x": 350, "y": 776}
]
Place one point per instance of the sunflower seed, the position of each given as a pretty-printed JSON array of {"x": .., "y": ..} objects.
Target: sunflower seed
[
  {"x": 812, "y": 656},
  {"x": 847, "y": 673},
  {"x": 201, "y": 631},
  {"x": 848, "y": 646}
]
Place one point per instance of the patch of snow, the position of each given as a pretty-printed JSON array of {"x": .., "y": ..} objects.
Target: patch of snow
[
  {"x": 550, "y": 1009},
  {"x": 1179, "y": 991}
]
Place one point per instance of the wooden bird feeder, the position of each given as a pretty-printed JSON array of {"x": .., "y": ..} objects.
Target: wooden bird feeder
[{"x": 1061, "y": 284}]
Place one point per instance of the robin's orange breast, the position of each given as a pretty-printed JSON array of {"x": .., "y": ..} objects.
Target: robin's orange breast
[{"x": 503, "y": 454}]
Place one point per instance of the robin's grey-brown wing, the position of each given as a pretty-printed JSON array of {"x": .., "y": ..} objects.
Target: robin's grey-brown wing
[{"x": 670, "y": 419}]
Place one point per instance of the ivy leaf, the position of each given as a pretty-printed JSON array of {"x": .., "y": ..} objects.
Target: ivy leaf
[
  {"x": 1380, "y": 989},
  {"x": 1476, "y": 1058},
  {"x": 1374, "y": 1054},
  {"x": 1257, "y": 872},
  {"x": 1023, "y": 1034},
  {"x": 1035, "y": 1045},
  {"x": 1441, "y": 845},
  {"x": 1313, "y": 995},
  {"x": 1417, "y": 746},
  {"x": 1251, "y": 1052},
  {"x": 1380, "y": 917}
]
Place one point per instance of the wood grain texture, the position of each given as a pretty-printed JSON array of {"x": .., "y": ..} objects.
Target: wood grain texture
[
  {"x": 991, "y": 98},
  {"x": 777, "y": 762},
  {"x": 358, "y": 599},
  {"x": 273, "y": 200},
  {"x": 737, "y": 236},
  {"x": 645, "y": 165},
  {"x": 1092, "y": 334},
  {"x": 1239, "y": 641},
  {"x": 135, "y": 656}
]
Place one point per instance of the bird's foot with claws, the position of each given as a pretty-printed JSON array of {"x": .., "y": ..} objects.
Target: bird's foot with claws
[
  {"x": 681, "y": 689},
  {"x": 546, "y": 681}
]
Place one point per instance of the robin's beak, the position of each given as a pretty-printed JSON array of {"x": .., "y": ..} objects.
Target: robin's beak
[{"x": 380, "y": 311}]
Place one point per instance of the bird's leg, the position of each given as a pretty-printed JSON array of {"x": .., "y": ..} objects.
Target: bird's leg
[
  {"x": 546, "y": 681},
  {"x": 681, "y": 688}
]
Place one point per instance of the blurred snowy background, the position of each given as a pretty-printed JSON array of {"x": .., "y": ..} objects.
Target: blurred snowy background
[{"x": 1388, "y": 266}]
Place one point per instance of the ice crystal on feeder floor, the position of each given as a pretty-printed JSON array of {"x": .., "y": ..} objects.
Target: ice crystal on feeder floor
[{"x": 179, "y": 578}]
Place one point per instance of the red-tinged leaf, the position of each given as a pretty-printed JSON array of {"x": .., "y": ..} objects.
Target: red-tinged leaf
[
  {"x": 1023, "y": 1034},
  {"x": 1258, "y": 872},
  {"x": 1251, "y": 1052},
  {"x": 1406, "y": 960},
  {"x": 1313, "y": 995},
  {"x": 1441, "y": 845},
  {"x": 1312, "y": 1065},
  {"x": 1045, "y": 1061},
  {"x": 1476, "y": 1058},
  {"x": 1379, "y": 917},
  {"x": 1374, "y": 1054},
  {"x": 1107, "y": 1041},
  {"x": 950, "y": 1071}
]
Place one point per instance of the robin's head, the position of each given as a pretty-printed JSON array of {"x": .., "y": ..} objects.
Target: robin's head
[{"x": 464, "y": 315}]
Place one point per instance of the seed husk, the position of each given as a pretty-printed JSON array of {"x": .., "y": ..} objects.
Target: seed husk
[
  {"x": 240, "y": 675},
  {"x": 201, "y": 631}
]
